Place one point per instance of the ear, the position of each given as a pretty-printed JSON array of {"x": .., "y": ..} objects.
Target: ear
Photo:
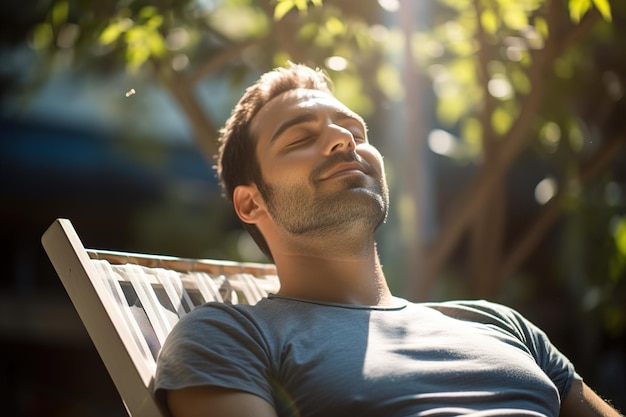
[{"x": 248, "y": 203}]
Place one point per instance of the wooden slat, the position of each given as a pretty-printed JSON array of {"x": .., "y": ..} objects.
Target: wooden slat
[
  {"x": 128, "y": 336},
  {"x": 124, "y": 361},
  {"x": 210, "y": 266}
]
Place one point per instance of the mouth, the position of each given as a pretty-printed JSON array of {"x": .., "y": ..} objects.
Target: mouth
[{"x": 344, "y": 169}]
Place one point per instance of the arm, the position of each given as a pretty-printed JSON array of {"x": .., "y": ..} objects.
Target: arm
[
  {"x": 581, "y": 401},
  {"x": 209, "y": 401}
]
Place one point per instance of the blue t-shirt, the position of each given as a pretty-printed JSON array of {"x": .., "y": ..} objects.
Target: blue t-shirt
[{"x": 322, "y": 359}]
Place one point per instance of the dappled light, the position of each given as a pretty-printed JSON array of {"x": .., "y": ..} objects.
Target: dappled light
[
  {"x": 390, "y": 5},
  {"x": 545, "y": 190},
  {"x": 501, "y": 124},
  {"x": 336, "y": 63},
  {"x": 499, "y": 87},
  {"x": 442, "y": 142}
]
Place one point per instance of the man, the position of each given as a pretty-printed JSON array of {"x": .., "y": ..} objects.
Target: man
[{"x": 311, "y": 190}]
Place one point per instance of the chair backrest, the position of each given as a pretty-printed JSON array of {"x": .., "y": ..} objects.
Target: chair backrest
[{"x": 129, "y": 302}]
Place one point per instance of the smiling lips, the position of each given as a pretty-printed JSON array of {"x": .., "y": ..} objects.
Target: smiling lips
[{"x": 348, "y": 168}]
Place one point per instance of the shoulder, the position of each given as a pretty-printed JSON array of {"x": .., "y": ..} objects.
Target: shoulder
[
  {"x": 488, "y": 313},
  {"x": 224, "y": 311},
  {"x": 210, "y": 333},
  {"x": 216, "y": 345},
  {"x": 472, "y": 308},
  {"x": 221, "y": 318},
  {"x": 218, "y": 311}
]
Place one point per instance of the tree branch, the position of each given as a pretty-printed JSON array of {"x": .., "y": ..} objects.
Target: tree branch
[
  {"x": 204, "y": 131},
  {"x": 472, "y": 201},
  {"x": 552, "y": 211},
  {"x": 219, "y": 61}
]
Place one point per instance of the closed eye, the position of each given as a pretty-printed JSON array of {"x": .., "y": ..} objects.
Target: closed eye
[
  {"x": 359, "y": 137},
  {"x": 299, "y": 141},
  {"x": 357, "y": 133}
]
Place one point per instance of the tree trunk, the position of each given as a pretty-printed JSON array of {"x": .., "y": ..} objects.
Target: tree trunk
[{"x": 485, "y": 184}]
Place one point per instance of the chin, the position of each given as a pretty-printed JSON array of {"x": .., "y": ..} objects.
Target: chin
[{"x": 365, "y": 204}]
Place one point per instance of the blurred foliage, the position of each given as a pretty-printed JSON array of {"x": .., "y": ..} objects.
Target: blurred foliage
[
  {"x": 514, "y": 81},
  {"x": 510, "y": 77},
  {"x": 505, "y": 73},
  {"x": 192, "y": 38},
  {"x": 538, "y": 83},
  {"x": 481, "y": 50}
]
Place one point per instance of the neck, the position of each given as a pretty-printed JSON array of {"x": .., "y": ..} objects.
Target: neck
[{"x": 332, "y": 272}]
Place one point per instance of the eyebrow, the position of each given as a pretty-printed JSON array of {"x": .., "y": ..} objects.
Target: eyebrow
[
  {"x": 303, "y": 118},
  {"x": 310, "y": 117}
]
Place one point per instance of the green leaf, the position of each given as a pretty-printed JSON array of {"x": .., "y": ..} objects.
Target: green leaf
[
  {"x": 335, "y": 26},
  {"x": 520, "y": 81},
  {"x": 450, "y": 109},
  {"x": 604, "y": 7},
  {"x": 349, "y": 90},
  {"x": 563, "y": 68},
  {"x": 282, "y": 8},
  {"x": 147, "y": 12},
  {"x": 156, "y": 43},
  {"x": 60, "y": 12},
  {"x": 542, "y": 27},
  {"x": 239, "y": 23},
  {"x": 135, "y": 57},
  {"x": 515, "y": 18},
  {"x": 489, "y": 21},
  {"x": 114, "y": 30},
  {"x": 578, "y": 8},
  {"x": 110, "y": 34},
  {"x": 464, "y": 47},
  {"x": 42, "y": 36},
  {"x": 281, "y": 58},
  {"x": 620, "y": 237},
  {"x": 389, "y": 81},
  {"x": 308, "y": 31},
  {"x": 575, "y": 136},
  {"x": 155, "y": 21},
  {"x": 301, "y": 5},
  {"x": 472, "y": 133},
  {"x": 501, "y": 120},
  {"x": 550, "y": 135}
]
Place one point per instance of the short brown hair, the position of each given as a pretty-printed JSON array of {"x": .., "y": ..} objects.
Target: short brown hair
[{"x": 236, "y": 162}]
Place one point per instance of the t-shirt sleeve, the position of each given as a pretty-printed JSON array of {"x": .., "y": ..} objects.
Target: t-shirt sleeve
[
  {"x": 554, "y": 364},
  {"x": 214, "y": 345}
]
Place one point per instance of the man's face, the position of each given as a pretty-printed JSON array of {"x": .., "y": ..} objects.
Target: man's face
[{"x": 319, "y": 171}]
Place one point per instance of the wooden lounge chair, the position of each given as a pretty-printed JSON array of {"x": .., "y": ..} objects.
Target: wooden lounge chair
[{"x": 129, "y": 302}]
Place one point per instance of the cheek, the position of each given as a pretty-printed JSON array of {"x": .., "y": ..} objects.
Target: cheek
[
  {"x": 293, "y": 168},
  {"x": 373, "y": 157}
]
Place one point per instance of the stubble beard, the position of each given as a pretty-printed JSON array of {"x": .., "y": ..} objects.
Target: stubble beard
[{"x": 300, "y": 212}]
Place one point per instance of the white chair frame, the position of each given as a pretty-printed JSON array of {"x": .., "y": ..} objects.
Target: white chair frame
[{"x": 129, "y": 302}]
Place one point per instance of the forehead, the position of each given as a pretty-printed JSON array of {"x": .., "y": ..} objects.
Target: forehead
[{"x": 293, "y": 103}]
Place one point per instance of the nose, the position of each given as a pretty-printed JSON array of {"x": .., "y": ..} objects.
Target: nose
[{"x": 339, "y": 139}]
